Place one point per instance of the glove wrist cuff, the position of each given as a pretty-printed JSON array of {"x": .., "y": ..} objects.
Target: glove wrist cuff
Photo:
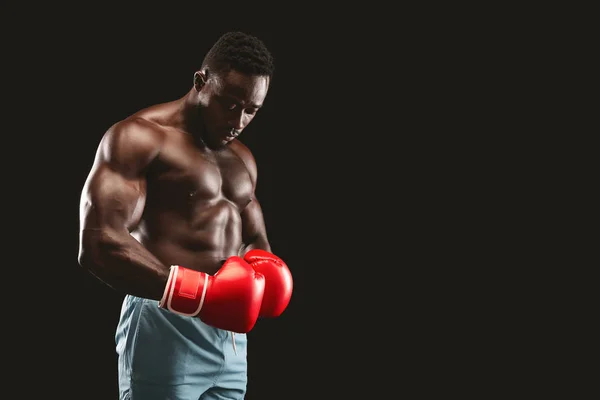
[{"x": 185, "y": 291}]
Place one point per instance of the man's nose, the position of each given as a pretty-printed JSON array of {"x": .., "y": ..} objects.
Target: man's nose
[{"x": 238, "y": 121}]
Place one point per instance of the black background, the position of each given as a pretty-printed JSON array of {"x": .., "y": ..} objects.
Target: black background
[{"x": 393, "y": 227}]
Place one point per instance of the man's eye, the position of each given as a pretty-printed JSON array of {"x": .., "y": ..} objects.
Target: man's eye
[{"x": 227, "y": 104}]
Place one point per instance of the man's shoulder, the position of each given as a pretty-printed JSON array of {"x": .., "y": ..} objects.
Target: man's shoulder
[
  {"x": 242, "y": 151},
  {"x": 244, "y": 154},
  {"x": 133, "y": 138},
  {"x": 136, "y": 128}
]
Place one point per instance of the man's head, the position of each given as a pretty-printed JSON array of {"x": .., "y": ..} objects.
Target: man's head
[{"x": 232, "y": 85}]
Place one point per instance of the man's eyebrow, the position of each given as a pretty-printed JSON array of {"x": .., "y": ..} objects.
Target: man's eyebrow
[{"x": 237, "y": 100}]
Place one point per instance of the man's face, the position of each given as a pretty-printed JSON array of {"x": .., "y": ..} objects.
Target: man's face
[{"x": 230, "y": 101}]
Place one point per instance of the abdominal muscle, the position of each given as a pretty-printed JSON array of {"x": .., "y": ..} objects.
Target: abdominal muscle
[{"x": 202, "y": 242}]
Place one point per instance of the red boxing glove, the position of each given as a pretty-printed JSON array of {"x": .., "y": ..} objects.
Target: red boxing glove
[
  {"x": 278, "y": 281},
  {"x": 230, "y": 299}
]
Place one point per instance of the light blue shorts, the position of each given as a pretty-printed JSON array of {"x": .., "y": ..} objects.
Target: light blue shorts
[{"x": 163, "y": 355}]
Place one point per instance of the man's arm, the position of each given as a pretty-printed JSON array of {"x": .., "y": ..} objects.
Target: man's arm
[
  {"x": 254, "y": 233},
  {"x": 256, "y": 251},
  {"x": 112, "y": 201}
]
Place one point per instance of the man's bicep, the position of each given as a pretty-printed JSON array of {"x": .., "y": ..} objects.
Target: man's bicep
[
  {"x": 254, "y": 233},
  {"x": 114, "y": 192},
  {"x": 111, "y": 200}
]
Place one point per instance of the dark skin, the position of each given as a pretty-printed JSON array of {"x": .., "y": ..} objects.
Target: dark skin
[{"x": 172, "y": 185}]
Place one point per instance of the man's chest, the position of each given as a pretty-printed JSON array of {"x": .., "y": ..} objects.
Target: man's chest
[{"x": 200, "y": 177}]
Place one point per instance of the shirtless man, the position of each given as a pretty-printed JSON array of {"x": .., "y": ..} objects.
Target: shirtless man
[{"x": 169, "y": 217}]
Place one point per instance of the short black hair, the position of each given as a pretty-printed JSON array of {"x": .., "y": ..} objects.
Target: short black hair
[{"x": 242, "y": 52}]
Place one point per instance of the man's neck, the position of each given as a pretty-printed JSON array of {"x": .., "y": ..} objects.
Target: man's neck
[{"x": 191, "y": 120}]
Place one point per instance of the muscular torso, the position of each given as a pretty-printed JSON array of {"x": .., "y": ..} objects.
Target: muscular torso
[{"x": 193, "y": 202}]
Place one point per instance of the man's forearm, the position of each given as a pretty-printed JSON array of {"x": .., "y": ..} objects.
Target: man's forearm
[
  {"x": 122, "y": 263},
  {"x": 256, "y": 243}
]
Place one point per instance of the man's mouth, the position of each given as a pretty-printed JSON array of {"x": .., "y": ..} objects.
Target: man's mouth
[{"x": 232, "y": 135}]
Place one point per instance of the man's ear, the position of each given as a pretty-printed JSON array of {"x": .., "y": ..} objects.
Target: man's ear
[{"x": 199, "y": 80}]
